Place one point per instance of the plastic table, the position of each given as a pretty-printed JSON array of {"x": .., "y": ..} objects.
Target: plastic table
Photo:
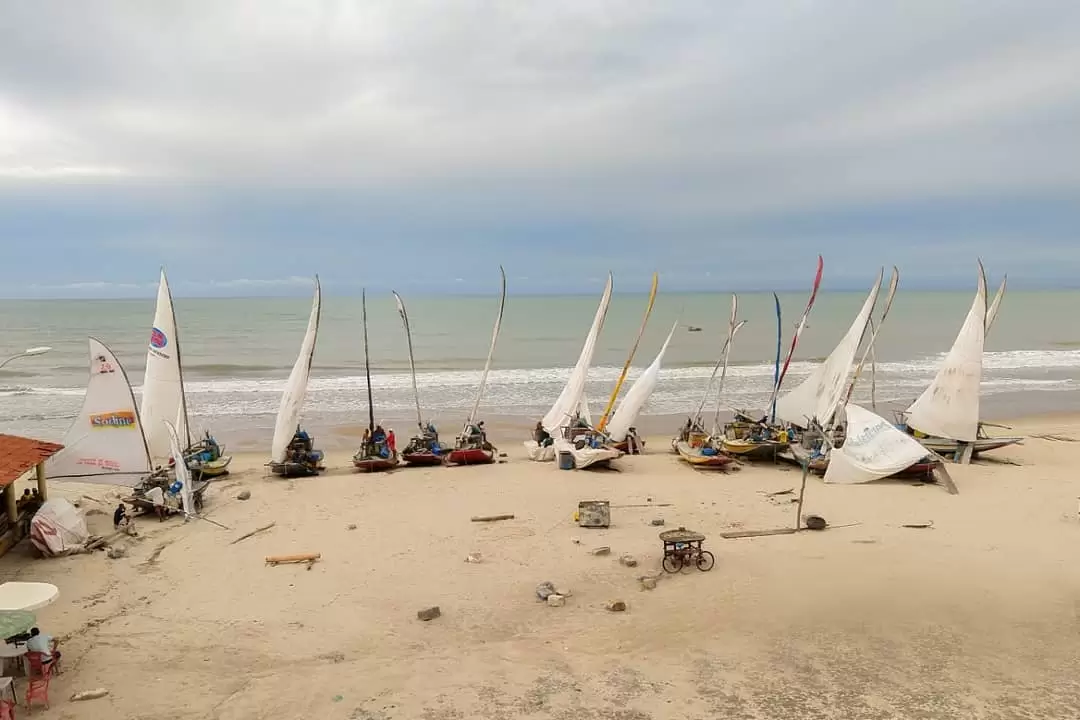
[{"x": 27, "y": 596}]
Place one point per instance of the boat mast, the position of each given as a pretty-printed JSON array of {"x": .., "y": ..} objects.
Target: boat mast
[
  {"x": 630, "y": 358},
  {"x": 491, "y": 352},
  {"x": 869, "y": 351},
  {"x": 795, "y": 338},
  {"x": 179, "y": 362},
  {"x": 412, "y": 362},
  {"x": 733, "y": 327},
  {"x": 367, "y": 363}
]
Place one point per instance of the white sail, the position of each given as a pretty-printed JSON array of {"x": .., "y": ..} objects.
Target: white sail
[
  {"x": 818, "y": 397},
  {"x": 572, "y": 397},
  {"x": 490, "y": 355},
  {"x": 163, "y": 384},
  {"x": 992, "y": 311},
  {"x": 873, "y": 449},
  {"x": 949, "y": 408},
  {"x": 105, "y": 444},
  {"x": 632, "y": 403},
  {"x": 183, "y": 475},
  {"x": 292, "y": 400}
]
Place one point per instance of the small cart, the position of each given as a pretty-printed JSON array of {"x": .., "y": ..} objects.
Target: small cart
[{"x": 682, "y": 549}]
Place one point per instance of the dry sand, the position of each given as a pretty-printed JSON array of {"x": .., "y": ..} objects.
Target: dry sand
[{"x": 974, "y": 618}]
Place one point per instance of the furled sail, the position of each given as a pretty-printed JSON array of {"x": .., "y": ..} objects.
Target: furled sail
[
  {"x": 818, "y": 396},
  {"x": 292, "y": 400},
  {"x": 572, "y": 397},
  {"x": 163, "y": 383},
  {"x": 873, "y": 449},
  {"x": 949, "y": 408},
  {"x": 183, "y": 475},
  {"x": 638, "y": 395},
  {"x": 105, "y": 444}
]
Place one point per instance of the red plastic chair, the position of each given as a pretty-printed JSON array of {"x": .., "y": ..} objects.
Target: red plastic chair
[{"x": 37, "y": 687}]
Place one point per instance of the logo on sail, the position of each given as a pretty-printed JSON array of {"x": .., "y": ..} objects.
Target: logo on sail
[
  {"x": 120, "y": 419},
  {"x": 158, "y": 339}
]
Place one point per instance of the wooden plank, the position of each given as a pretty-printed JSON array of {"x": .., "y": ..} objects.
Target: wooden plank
[{"x": 757, "y": 533}]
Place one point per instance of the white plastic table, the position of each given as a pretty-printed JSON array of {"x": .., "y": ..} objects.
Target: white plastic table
[{"x": 27, "y": 595}]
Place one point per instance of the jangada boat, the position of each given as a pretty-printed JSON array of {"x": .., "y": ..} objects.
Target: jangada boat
[
  {"x": 377, "y": 451},
  {"x": 749, "y": 438},
  {"x": 472, "y": 446},
  {"x": 552, "y": 434},
  {"x": 164, "y": 399},
  {"x": 292, "y": 451},
  {"x": 945, "y": 418},
  {"x": 424, "y": 448},
  {"x": 693, "y": 444}
]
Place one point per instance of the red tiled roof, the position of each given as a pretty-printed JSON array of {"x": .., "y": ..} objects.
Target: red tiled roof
[{"x": 19, "y": 454}]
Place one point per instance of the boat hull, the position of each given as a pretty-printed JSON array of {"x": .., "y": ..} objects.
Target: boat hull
[
  {"x": 426, "y": 458},
  {"x": 630, "y": 448},
  {"x": 594, "y": 457},
  {"x": 750, "y": 450},
  {"x": 291, "y": 469},
  {"x": 374, "y": 464},
  {"x": 944, "y": 446},
  {"x": 695, "y": 457},
  {"x": 214, "y": 468},
  {"x": 471, "y": 456}
]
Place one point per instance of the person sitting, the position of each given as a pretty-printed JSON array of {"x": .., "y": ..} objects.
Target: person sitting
[
  {"x": 23, "y": 499},
  {"x": 542, "y": 436},
  {"x": 119, "y": 516},
  {"x": 44, "y": 644}
]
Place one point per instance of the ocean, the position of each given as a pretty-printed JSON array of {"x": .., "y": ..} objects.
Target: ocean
[{"x": 238, "y": 352}]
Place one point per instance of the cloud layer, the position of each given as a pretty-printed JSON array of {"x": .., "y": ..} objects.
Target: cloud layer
[{"x": 428, "y": 141}]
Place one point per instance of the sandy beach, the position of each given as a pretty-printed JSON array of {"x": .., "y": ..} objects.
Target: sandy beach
[{"x": 973, "y": 618}]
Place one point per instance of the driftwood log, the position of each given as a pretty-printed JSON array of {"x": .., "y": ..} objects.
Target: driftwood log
[
  {"x": 256, "y": 531},
  {"x": 298, "y": 558},
  {"x": 491, "y": 518}
]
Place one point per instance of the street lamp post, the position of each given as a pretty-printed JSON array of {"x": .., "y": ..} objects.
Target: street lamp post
[{"x": 29, "y": 352}]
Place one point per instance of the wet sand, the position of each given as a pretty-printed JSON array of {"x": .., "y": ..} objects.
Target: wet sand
[{"x": 973, "y": 618}]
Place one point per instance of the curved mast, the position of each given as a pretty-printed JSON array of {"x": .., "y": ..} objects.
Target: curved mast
[
  {"x": 367, "y": 363},
  {"x": 795, "y": 338},
  {"x": 491, "y": 352},
  {"x": 630, "y": 358},
  {"x": 412, "y": 362}
]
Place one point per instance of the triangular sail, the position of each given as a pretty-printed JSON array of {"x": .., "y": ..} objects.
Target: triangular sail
[
  {"x": 412, "y": 362},
  {"x": 795, "y": 338},
  {"x": 105, "y": 444},
  {"x": 894, "y": 282},
  {"x": 292, "y": 400},
  {"x": 991, "y": 312},
  {"x": 949, "y": 407},
  {"x": 630, "y": 358},
  {"x": 183, "y": 475},
  {"x": 873, "y": 449},
  {"x": 163, "y": 383},
  {"x": 638, "y": 395},
  {"x": 817, "y": 397},
  {"x": 491, "y": 353},
  {"x": 572, "y": 396}
]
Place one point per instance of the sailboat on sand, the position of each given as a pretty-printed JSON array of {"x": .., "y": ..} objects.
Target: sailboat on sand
[
  {"x": 628, "y": 440},
  {"x": 621, "y": 431},
  {"x": 376, "y": 448},
  {"x": 567, "y": 425},
  {"x": 693, "y": 444},
  {"x": 424, "y": 448},
  {"x": 163, "y": 397},
  {"x": 945, "y": 418},
  {"x": 472, "y": 446},
  {"x": 292, "y": 452},
  {"x": 106, "y": 443}
]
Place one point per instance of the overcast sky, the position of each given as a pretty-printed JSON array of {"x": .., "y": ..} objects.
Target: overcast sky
[{"x": 419, "y": 144}]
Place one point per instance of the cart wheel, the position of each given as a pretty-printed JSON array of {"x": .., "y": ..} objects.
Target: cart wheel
[
  {"x": 672, "y": 563},
  {"x": 705, "y": 561}
]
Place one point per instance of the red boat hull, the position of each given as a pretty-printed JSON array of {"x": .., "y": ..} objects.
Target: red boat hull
[
  {"x": 422, "y": 458},
  {"x": 471, "y": 456},
  {"x": 375, "y": 464},
  {"x": 624, "y": 447}
]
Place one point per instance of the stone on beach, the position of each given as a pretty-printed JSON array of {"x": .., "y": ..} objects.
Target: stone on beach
[
  {"x": 616, "y": 606},
  {"x": 628, "y": 561},
  {"x": 603, "y": 550},
  {"x": 556, "y": 600},
  {"x": 429, "y": 613},
  {"x": 244, "y": 495}
]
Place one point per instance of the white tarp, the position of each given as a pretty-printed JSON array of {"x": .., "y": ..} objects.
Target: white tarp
[
  {"x": 872, "y": 449},
  {"x": 638, "y": 394},
  {"x": 818, "y": 397},
  {"x": 572, "y": 397},
  {"x": 292, "y": 400},
  {"x": 949, "y": 408},
  {"x": 163, "y": 386},
  {"x": 105, "y": 444},
  {"x": 58, "y": 528}
]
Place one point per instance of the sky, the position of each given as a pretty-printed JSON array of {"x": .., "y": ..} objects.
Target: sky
[{"x": 419, "y": 144}]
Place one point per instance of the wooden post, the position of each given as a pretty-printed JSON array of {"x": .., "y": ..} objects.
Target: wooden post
[
  {"x": 802, "y": 490},
  {"x": 10, "y": 505},
  {"x": 42, "y": 487}
]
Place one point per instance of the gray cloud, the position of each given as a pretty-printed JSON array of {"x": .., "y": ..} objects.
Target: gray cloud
[{"x": 684, "y": 114}]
